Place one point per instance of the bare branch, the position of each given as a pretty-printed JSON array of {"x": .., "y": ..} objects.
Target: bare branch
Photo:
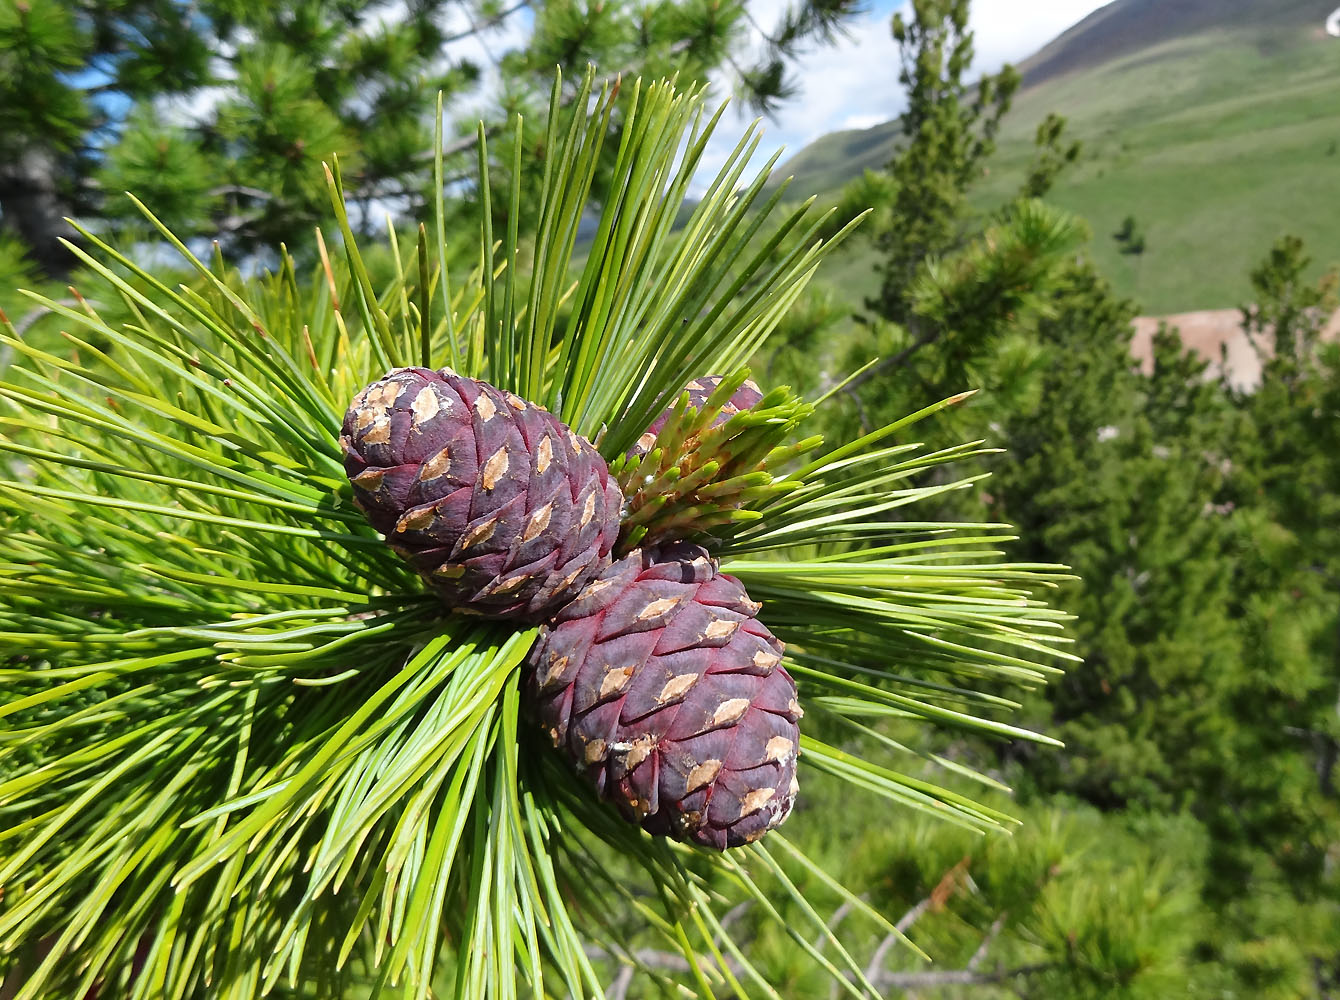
[
  {"x": 956, "y": 977},
  {"x": 619, "y": 988},
  {"x": 735, "y": 913},
  {"x": 240, "y": 189},
  {"x": 833, "y": 921},
  {"x": 904, "y": 923},
  {"x": 896, "y": 361},
  {"x": 665, "y": 961},
  {"x": 25, "y": 323},
  {"x": 992, "y": 933}
]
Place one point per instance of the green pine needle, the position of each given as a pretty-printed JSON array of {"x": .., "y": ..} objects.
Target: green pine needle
[{"x": 243, "y": 754}]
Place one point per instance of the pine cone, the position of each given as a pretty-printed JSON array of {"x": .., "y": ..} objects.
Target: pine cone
[
  {"x": 504, "y": 510},
  {"x": 699, "y": 390},
  {"x": 669, "y": 694}
]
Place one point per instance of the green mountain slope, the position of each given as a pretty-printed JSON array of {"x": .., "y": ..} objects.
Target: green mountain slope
[
  {"x": 1215, "y": 124},
  {"x": 832, "y": 160}
]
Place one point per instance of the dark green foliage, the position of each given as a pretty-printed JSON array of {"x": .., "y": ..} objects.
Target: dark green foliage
[
  {"x": 950, "y": 131},
  {"x": 234, "y": 106},
  {"x": 1054, "y": 152},
  {"x": 1207, "y": 615},
  {"x": 1199, "y": 519},
  {"x": 957, "y": 289},
  {"x": 1130, "y": 237}
]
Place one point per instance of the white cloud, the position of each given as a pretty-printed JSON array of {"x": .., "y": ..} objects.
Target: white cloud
[
  {"x": 1012, "y": 30},
  {"x": 859, "y": 121},
  {"x": 854, "y": 84}
]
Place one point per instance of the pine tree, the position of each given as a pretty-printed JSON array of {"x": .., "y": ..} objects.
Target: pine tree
[
  {"x": 958, "y": 290},
  {"x": 1207, "y": 686},
  {"x": 1209, "y": 679},
  {"x": 949, "y": 132},
  {"x": 247, "y": 750},
  {"x": 220, "y": 113}
]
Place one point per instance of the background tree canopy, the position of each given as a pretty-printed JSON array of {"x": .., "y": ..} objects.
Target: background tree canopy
[{"x": 220, "y": 114}]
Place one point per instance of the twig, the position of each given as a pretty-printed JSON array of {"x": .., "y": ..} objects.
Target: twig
[
  {"x": 666, "y": 961},
  {"x": 25, "y": 323},
  {"x": 904, "y": 923},
  {"x": 735, "y": 913},
  {"x": 833, "y": 921},
  {"x": 619, "y": 988},
  {"x": 925, "y": 338},
  {"x": 241, "y": 189},
  {"x": 861, "y": 413},
  {"x": 488, "y": 22},
  {"x": 955, "y": 977},
  {"x": 980, "y": 954}
]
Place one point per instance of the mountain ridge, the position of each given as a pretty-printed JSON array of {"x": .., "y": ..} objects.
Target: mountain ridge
[{"x": 1123, "y": 27}]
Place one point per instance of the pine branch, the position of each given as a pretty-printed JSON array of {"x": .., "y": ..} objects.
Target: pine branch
[
  {"x": 927, "y": 336},
  {"x": 992, "y": 933}
]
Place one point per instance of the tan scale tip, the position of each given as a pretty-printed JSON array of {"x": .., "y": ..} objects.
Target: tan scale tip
[
  {"x": 438, "y": 465},
  {"x": 413, "y": 520},
  {"x": 639, "y": 751},
  {"x": 719, "y": 628},
  {"x": 778, "y": 749},
  {"x": 481, "y": 532},
  {"x": 675, "y": 687},
  {"x": 730, "y": 711},
  {"x": 765, "y": 660},
  {"x": 702, "y": 774},
  {"x": 495, "y": 468},
  {"x": 555, "y": 671},
  {"x": 538, "y": 522},
  {"x": 594, "y": 752},
  {"x": 424, "y": 408},
  {"x": 370, "y": 479},
  {"x": 485, "y": 407},
  {"x": 657, "y": 608},
  {"x": 615, "y": 680},
  {"x": 755, "y": 800}
]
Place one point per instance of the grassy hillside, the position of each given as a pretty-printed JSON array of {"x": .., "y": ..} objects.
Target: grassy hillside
[
  {"x": 832, "y": 160},
  {"x": 1218, "y": 138}
]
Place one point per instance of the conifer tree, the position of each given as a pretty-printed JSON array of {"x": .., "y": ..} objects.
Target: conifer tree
[
  {"x": 957, "y": 289},
  {"x": 949, "y": 131},
  {"x": 1209, "y": 684},
  {"x": 220, "y": 112},
  {"x": 1209, "y": 687}
]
